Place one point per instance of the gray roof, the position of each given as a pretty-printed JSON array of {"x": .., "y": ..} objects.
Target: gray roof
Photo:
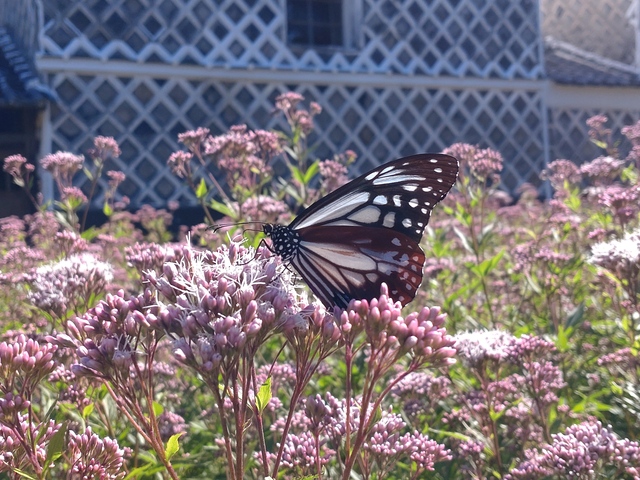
[
  {"x": 19, "y": 81},
  {"x": 565, "y": 63}
]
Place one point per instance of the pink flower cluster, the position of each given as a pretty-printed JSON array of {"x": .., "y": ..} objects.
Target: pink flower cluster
[
  {"x": 484, "y": 164},
  {"x": 420, "y": 334},
  {"x": 94, "y": 457},
  {"x": 218, "y": 304},
  {"x": 67, "y": 285},
  {"x": 298, "y": 118},
  {"x": 586, "y": 450}
]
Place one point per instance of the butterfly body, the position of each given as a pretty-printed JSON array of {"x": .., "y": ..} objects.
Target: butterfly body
[{"x": 368, "y": 231}]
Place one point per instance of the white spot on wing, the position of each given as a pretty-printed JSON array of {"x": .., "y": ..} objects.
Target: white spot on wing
[
  {"x": 413, "y": 203},
  {"x": 407, "y": 222},
  {"x": 389, "y": 220},
  {"x": 409, "y": 188},
  {"x": 333, "y": 210},
  {"x": 368, "y": 214},
  {"x": 355, "y": 277},
  {"x": 398, "y": 178},
  {"x": 340, "y": 254},
  {"x": 397, "y": 201},
  {"x": 396, "y": 242},
  {"x": 380, "y": 200}
]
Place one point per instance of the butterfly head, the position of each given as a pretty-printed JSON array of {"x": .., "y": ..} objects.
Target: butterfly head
[{"x": 285, "y": 240}]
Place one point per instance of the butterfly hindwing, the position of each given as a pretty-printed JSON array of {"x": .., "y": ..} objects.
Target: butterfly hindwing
[{"x": 337, "y": 271}]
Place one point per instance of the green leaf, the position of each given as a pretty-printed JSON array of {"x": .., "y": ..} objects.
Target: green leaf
[
  {"x": 107, "y": 209},
  {"x": 90, "y": 233},
  {"x": 264, "y": 395},
  {"x": 562, "y": 342},
  {"x": 485, "y": 267},
  {"x": 173, "y": 445},
  {"x": 222, "y": 208},
  {"x": 157, "y": 409},
  {"x": 454, "y": 435},
  {"x": 311, "y": 172},
  {"x": 88, "y": 410},
  {"x": 144, "y": 471},
  {"x": 202, "y": 189},
  {"x": 56, "y": 444},
  {"x": 24, "y": 474},
  {"x": 296, "y": 173},
  {"x": 88, "y": 173},
  {"x": 599, "y": 143},
  {"x": 495, "y": 416}
]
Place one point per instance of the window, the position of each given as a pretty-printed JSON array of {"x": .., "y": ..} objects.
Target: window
[{"x": 315, "y": 22}]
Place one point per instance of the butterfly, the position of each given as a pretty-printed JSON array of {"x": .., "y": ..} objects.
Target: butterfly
[{"x": 367, "y": 231}]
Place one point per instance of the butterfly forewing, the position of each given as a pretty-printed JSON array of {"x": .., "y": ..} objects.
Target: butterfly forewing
[
  {"x": 398, "y": 195},
  {"x": 368, "y": 231}
]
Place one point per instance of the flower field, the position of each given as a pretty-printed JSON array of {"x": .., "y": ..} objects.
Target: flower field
[{"x": 130, "y": 351}]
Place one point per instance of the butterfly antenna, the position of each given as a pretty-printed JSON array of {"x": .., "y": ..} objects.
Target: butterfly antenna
[{"x": 219, "y": 226}]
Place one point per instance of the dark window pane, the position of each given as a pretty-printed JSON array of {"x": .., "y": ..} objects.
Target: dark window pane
[
  {"x": 314, "y": 22},
  {"x": 298, "y": 10},
  {"x": 336, "y": 12},
  {"x": 298, "y": 34},
  {"x": 321, "y": 35},
  {"x": 321, "y": 11}
]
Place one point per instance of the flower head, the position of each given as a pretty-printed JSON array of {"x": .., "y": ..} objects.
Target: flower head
[
  {"x": 64, "y": 164},
  {"x": 334, "y": 175},
  {"x": 65, "y": 285},
  {"x": 194, "y": 138},
  {"x": 109, "y": 337},
  {"x": 483, "y": 164},
  {"x": 179, "y": 163},
  {"x": 289, "y": 100},
  {"x": 621, "y": 257},
  {"x": 219, "y": 304},
  {"x": 105, "y": 147},
  {"x": 583, "y": 451},
  {"x": 264, "y": 208},
  {"x": 559, "y": 171},
  {"x": 602, "y": 169},
  {"x": 24, "y": 362},
  {"x": 622, "y": 201},
  {"x": 421, "y": 334},
  {"x": 17, "y": 166},
  {"x": 94, "y": 457},
  {"x": 476, "y": 348}
]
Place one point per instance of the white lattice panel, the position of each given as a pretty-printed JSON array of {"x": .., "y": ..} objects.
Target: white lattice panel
[
  {"x": 145, "y": 115},
  {"x": 498, "y": 38},
  {"x": 569, "y": 133},
  {"x": 604, "y": 27}
]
